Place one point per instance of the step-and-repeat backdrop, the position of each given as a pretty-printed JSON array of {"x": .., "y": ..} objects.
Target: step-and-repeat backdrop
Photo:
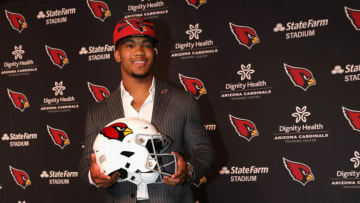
[{"x": 281, "y": 100}]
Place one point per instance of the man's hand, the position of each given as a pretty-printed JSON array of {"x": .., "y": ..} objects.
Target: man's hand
[
  {"x": 181, "y": 174},
  {"x": 100, "y": 179}
]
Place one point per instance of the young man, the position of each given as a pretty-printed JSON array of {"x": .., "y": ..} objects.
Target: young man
[{"x": 173, "y": 112}]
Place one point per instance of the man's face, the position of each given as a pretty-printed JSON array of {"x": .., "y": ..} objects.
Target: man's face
[{"x": 136, "y": 55}]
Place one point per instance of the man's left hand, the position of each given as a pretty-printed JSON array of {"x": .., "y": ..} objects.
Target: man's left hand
[{"x": 181, "y": 174}]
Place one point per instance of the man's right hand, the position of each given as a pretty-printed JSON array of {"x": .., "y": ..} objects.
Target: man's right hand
[{"x": 100, "y": 179}]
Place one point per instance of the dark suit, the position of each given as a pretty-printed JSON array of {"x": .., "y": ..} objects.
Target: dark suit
[{"x": 175, "y": 114}]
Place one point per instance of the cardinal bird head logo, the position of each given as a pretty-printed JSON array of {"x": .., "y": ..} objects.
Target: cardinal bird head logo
[
  {"x": 17, "y": 21},
  {"x": 246, "y": 36},
  {"x": 300, "y": 77},
  {"x": 19, "y": 100},
  {"x": 196, "y": 3},
  {"x": 353, "y": 117},
  {"x": 57, "y": 56},
  {"x": 299, "y": 172},
  {"x": 193, "y": 85},
  {"x": 244, "y": 128},
  {"x": 99, "y": 9},
  {"x": 98, "y": 92},
  {"x": 21, "y": 177},
  {"x": 116, "y": 131},
  {"x": 137, "y": 24},
  {"x": 59, "y": 137},
  {"x": 354, "y": 17}
]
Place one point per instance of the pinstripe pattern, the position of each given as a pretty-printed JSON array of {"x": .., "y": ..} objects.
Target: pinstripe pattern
[{"x": 176, "y": 115}]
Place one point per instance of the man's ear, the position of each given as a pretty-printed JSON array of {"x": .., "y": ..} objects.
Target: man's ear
[
  {"x": 156, "y": 51},
  {"x": 117, "y": 56}
]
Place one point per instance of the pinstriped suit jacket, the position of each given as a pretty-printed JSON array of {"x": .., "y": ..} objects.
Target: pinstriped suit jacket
[{"x": 176, "y": 115}]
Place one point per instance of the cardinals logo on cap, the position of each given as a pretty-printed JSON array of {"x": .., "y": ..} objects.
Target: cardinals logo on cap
[
  {"x": 116, "y": 131},
  {"x": 300, "y": 77},
  {"x": 196, "y": 3},
  {"x": 19, "y": 100},
  {"x": 21, "y": 177},
  {"x": 57, "y": 56},
  {"x": 99, "y": 9},
  {"x": 299, "y": 172},
  {"x": 353, "y": 117},
  {"x": 98, "y": 92},
  {"x": 193, "y": 85},
  {"x": 59, "y": 137},
  {"x": 244, "y": 128},
  {"x": 354, "y": 17},
  {"x": 246, "y": 36},
  {"x": 17, "y": 21}
]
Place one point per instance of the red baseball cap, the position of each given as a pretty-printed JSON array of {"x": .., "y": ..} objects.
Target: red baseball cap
[{"x": 134, "y": 27}]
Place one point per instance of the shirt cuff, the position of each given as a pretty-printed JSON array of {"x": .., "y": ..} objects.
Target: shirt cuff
[
  {"x": 191, "y": 173},
  {"x": 90, "y": 181}
]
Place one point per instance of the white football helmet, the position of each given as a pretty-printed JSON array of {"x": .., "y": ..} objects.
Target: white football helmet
[{"x": 134, "y": 147}]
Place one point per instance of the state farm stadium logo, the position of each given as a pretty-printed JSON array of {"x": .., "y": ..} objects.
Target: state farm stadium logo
[
  {"x": 348, "y": 178},
  {"x": 300, "y": 29},
  {"x": 59, "y": 177},
  {"x": 61, "y": 102},
  {"x": 245, "y": 86},
  {"x": 19, "y": 66},
  {"x": 244, "y": 173},
  {"x": 194, "y": 46},
  {"x": 97, "y": 53},
  {"x": 301, "y": 130},
  {"x": 56, "y": 16},
  {"x": 349, "y": 72},
  {"x": 149, "y": 9},
  {"x": 17, "y": 139}
]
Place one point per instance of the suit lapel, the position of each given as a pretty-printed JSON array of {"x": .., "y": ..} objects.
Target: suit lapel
[
  {"x": 162, "y": 96},
  {"x": 115, "y": 105}
]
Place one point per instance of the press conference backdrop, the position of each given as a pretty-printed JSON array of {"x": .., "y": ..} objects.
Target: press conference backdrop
[{"x": 277, "y": 84}]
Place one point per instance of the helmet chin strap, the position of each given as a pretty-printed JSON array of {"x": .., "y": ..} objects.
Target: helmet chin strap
[{"x": 142, "y": 191}]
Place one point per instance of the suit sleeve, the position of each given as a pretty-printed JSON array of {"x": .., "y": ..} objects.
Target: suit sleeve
[
  {"x": 197, "y": 141},
  {"x": 90, "y": 135}
]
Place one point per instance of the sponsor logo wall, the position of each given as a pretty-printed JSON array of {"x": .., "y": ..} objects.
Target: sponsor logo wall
[{"x": 277, "y": 84}]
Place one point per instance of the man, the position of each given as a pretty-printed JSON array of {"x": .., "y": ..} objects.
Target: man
[{"x": 173, "y": 112}]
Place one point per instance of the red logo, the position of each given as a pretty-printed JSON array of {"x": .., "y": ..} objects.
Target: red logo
[
  {"x": 116, "y": 131},
  {"x": 192, "y": 85},
  {"x": 59, "y": 137},
  {"x": 19, "y": 100},
  {"x": 299, "y": 172},
  {"x": 137, "y": 24},
  {"x": 246, "y": 36},
  {"x": 99, "y": 9},
  {"x": 354, "y": 17},
  {"x": 300, "y": 77},
  {"x": 57, "y": 56},
  {"x": 17, "y": 21},
  {"x": 353, "y": 117},
  {"x": 21, "y": 177},
  {"x": 244, "y": 128},
  {"x": 196, "y": 3},
  {"x": 98, "y": 92}
]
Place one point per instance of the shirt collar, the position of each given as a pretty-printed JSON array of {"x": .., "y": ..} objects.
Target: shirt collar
[{"x": 151, "y": 89}]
